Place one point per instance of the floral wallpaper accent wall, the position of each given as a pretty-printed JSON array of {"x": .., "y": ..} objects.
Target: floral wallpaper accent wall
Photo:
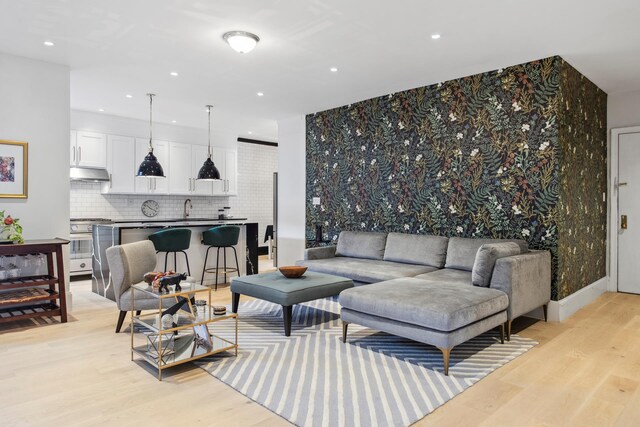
[
  {"x": 583, "y": 183},
  {"x": 479, "y": 156}
]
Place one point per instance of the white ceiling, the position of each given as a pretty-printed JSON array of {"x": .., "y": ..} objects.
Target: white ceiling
[{"x": 115, "y": 47}]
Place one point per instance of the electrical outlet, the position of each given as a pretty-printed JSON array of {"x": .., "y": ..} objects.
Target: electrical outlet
[{"x": 316, "y": 201}]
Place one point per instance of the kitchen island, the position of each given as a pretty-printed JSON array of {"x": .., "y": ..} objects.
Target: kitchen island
[{"x": 122, "y": 232}]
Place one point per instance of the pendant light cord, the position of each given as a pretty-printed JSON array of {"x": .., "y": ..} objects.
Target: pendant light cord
[
  {"x": 150, "y": 95},
  {"x": 209, "y": 107}
]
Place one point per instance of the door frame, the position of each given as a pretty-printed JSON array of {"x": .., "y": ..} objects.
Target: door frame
[{"x": 613, "y": 204}]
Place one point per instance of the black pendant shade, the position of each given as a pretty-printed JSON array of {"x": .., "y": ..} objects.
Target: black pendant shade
[
  {"x": 208, "y": 171},
  {"x": 150, "y": 167}
]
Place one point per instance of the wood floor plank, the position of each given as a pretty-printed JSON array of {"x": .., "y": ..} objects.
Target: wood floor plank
[{"x": 585, "y": 371}]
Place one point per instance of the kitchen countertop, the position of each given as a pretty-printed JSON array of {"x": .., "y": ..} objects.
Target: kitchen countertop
[{"x": 162, "y": 223}]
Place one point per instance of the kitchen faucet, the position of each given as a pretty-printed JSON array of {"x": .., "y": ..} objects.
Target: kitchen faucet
[{"x": 187, "y": 207}]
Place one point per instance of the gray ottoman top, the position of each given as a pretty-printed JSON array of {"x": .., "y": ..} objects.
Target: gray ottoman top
[
  {"x": 276, "y": 288},
  {"x": 439, "y": 306}
]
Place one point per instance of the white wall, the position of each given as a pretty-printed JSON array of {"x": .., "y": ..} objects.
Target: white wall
[
  {"x": 34, "y": 107},
  {"x": 291, "y": 189}
]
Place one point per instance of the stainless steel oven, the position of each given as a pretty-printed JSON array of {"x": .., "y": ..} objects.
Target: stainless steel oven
[{"x": 81, "y": 245}]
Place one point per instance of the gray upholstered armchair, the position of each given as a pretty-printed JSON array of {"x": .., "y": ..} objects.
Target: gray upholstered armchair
[{"x": 128, "y": 264}]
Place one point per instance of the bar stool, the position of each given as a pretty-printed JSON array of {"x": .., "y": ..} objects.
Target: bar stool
[
  {"x": 172, "y": 240},
  {"x": 223, "y": 237}
]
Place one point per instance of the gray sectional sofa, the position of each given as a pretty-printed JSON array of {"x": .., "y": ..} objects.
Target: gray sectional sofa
[{"x": 433, "y": 289}]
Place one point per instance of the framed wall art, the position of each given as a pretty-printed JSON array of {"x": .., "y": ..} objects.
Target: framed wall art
[{"x": 13, "y": 169}]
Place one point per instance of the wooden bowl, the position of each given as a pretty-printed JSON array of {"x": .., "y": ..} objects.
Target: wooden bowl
[{"x": 292, "y": 271}]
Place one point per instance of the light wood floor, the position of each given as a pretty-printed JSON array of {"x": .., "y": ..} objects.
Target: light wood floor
[{"x": 585, "y": 371}]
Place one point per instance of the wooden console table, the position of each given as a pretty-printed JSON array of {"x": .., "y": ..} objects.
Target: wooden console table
[{"x": 26, "y": 297}]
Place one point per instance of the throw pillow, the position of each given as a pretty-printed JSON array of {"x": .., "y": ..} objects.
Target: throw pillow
[{"x": 486, "y": 258}]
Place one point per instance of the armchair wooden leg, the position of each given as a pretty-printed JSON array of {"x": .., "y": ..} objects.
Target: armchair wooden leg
[
  {"x": 508, "y": 330},
  {"x": 502, "y": 333},
  {"x": 345, "y": 325},
  {"x": 121, "y": 317},
  {"x": 446, "y": 353},
  {"x": 544, "y": 311}
]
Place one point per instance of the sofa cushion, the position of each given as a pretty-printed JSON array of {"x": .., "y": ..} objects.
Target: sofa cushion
[
  {"x": 359, "y": 244},
  {"x": 486, "y": 258},
  {"x": 461, "y": 252},
  {"x": 447, "y": 275},
  {"x": 365, "y": 270},
  {"x": 443, "y": 307},
  {"x": 416, "y": 249}
]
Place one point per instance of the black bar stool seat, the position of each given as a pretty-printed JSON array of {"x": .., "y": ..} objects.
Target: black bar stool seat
[
  {"x": 172, "y": 240},
  {"x": 222, "y": 237}
]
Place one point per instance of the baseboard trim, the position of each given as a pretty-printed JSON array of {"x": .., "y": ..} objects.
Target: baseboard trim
[{"x": 563, "y": 309}]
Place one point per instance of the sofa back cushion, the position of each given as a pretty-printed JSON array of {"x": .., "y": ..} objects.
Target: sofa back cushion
[
  {"x": 486, "y": 258},
  {"x": 416, "y": 249},
  {"x": 359, "y": 244},
  {"x": 461, "y": 252}
]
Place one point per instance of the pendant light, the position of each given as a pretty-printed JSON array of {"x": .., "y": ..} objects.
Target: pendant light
[
  {"x": 209, "y": 171},
  {"x": 150, "y": 167}
]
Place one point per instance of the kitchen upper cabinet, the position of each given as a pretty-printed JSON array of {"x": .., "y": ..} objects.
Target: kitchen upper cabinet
[
  {"x": 161, "y": 151},
  {"x": 180, "y": 175},
  {"x": 88, "y": 149},
  {"x": 199, "y": 154},
  {"x": 72, "y": 148},
  {"x": 120, "y": 165},
  {"x": 226, "y": 162}
]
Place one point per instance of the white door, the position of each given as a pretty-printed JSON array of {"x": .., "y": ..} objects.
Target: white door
[
  {"x": 231, "y": 172},
  {"x": 179, "y": 173},
  {"x": 72, "y": 148},
  {"x": 629, "y": 207},
  {"x": 198, "y": 156},
  {"x": 121, "y": 164},
  {"x": 91, "y": 149},
  {"x": 161, "y": 151},
  {"x": 218, "y": 155}
]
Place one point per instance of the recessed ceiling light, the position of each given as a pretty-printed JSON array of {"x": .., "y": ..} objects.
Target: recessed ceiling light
[
  {"x": 435, "y": 36},
  {"x": 241, "y": 41},
  {"x": 173, "y": 121},
  {"x": 101, "y": 110},
  {"x": 333, "y": 69},
  {"x": 260, "y": 94},
  {"x": 48, "y": 43},
  {"x": 128, "y": 96},
  {"x": 250, "y": 133},
  {"x": 174, "y": 73}
]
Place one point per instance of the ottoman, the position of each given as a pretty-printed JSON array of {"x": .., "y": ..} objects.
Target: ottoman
[
  {"x": 276, "y": 288},
  {"x": 442, "y": 315}
]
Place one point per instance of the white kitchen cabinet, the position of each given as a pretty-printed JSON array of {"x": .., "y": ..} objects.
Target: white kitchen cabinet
[
  {"x": 231, "y": 172},
  {"x": 199, "y": 154},
  {"x": 180, "y": 175},
  {"x": 226, "y": 162},
  {"x": 72, "y": 148},
  {"x": 89, "y": 149},
  {"x": 120, "y": 165},
  {"x": 161, "y": 151}
]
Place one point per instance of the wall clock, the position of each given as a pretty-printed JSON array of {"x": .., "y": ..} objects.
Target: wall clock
[{"x": 150, "y": 208}]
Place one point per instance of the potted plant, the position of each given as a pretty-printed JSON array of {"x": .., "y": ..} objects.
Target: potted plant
[{"x": 11, "y": 229}]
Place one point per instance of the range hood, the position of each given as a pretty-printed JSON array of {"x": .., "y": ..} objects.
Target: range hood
[{"x": 89, "y": 174}]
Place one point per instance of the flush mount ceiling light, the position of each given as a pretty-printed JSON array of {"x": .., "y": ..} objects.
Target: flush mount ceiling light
[
  {"x": 150, "y": 166},
  {"x": 209, "y": 171},
  {"x": 333, "y": 69},
  {"x": 173, "y": 74},
  {"x": 241, "y": 41},
  {"x": 49, "y": 43},
  {"x": 435, "y": 36}
]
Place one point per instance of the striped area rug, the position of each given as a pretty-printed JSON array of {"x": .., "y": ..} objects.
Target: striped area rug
[{"x": 313, "y": 379}]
